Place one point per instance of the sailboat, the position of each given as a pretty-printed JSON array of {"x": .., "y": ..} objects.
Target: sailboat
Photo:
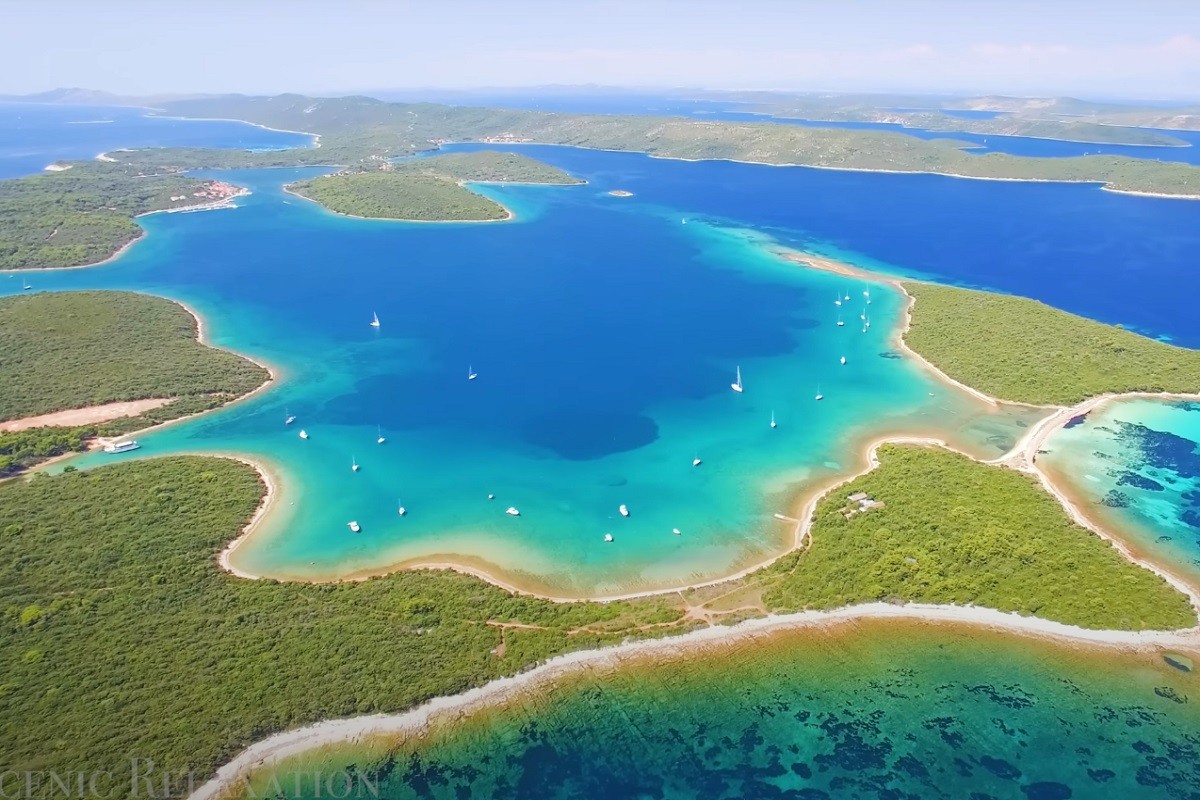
[
  {"x": 841, "y": 322},
  {"x": 867, "y": 323},
  {"x": 353, "y": 464},
  {"x": 624, "y": 509},
  {"x": 471, "y": 374},
  {"x": 773, "y": 423},
  {"x": 303, "y": 434},
  {"x": 608, "y": 537},
  {"x": 512, "y": 511},
  {"x": 737, "y": 384},
  {"x": 374, "y": 320},
  {"x": 675, "y": 531},
  {"x": 400, "y": 509},
  {"x": 289, "y": 418},
  {"x": 381, "y": 438},
  {"x": 838, "y": 299},
  {"x": 842, "y": 360},
  {"x": 684, "y": 222},
  {"x": 25, "y": 284},
  {"x": 846, "y": 298},
  {"x": 353, "y": 526},
  {"x": 819, "y": 395},
  {"x": 696, "y": 461}
]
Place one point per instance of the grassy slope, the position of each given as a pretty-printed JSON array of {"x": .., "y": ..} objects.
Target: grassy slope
[
  {"x": 429, "y": 189},
  {"x": 83, "y": 214},
  {"x": 119, "y": 635},
  {"x": 956, "y": 531},
  {"x": 1025, "y": 351}
]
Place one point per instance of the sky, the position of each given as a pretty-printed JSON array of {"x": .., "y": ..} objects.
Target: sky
[{"x": 1098, "y": 49}]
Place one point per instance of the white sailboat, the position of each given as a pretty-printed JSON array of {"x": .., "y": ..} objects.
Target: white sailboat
[
  {"x": 842, "y": 360},
  {"x": 675, "y": 531},
  {"x": 624, "y": 510},
  {"x": 512, "y": 511},
  {"x": 737, "y": 384},
  {"x": 608, "y": 537},
  {"x": 819, "y": 395},
  {"x": 867, "y": 324},
  {"x": 374, "y": 320},
  {"x": 381, "y": 438},
  {"x": 684, "y": 221},
  {"x": 696, "y": 461},
  {"x": 353, "y": 526},
  {"x": 289, "y": 418},
  {"x": 838, "y": 299},
  {"x": 773, "y": 424},
  {"x": 400, "y": 509},
  {"x": 303, "y": 434},
  {"x": 471, "y": 374},
  {"x": 841, "y": 322},
  {"x": 846, "y": 298},
  {"x": 353, "y": 464},
  {"x": 25, "y": 284}
]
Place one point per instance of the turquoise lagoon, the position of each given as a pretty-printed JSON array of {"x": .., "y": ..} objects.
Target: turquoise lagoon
[
  {"x": 880, "y": 711},
  {"x": 605, "y": 333},
  {"x": 1135, "y": 464}
]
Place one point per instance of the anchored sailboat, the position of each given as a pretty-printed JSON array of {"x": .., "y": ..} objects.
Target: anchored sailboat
[
  {"x": 374, "y": 320},
  {"x": 773, "y": 425},
  {"x": 737, "y": 384},
  {"x": 381, "y": 438},
  {"x": 353, "y": 464},
  {"x": 471, "y": 374},
  {"x": 289, "y": 418},
  {"x": 819, "y": 395},
  {"x": 624, "y": 510},
  {"x": 400, "y": 509},
  {"x": 303, "y": 434},
  {"x": 696, "y": 461}
]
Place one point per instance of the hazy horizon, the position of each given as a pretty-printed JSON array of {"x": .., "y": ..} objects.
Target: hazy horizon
[{"x": 1104, "y": 51}]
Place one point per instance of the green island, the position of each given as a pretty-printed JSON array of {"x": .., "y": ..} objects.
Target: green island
[
  {"x": 121, "y": 635},
  {"x": 1025, "y": 351},
  {"x": 84, "y": 214},
  {"x": 429, "y": 189},
  {"x": 56, "y": 353}
]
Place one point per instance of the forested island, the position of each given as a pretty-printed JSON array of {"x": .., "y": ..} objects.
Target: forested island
[
  {"x": 84, "y": 214},
  {"x": 1025, "y": 351},
  {"x": 429, "y": 189},
  {"x": 57, "y": 351}
]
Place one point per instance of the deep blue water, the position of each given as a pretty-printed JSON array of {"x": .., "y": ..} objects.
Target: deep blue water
[
  {"x": 34, "y": 135},
  {"x": 1116, "y": 258}
]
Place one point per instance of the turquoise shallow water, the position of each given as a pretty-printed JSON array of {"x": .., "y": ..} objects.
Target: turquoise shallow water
[
  {"x": 605, "y": 333},
  {"x": 885, "y": 711},
  {"x": 1136, "y": 464}
]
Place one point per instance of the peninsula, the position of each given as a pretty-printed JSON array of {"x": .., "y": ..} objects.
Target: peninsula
[{"x": 57, "y": 354}]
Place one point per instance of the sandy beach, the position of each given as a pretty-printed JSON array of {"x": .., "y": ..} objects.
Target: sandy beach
[{"x": 85, "y": 416}]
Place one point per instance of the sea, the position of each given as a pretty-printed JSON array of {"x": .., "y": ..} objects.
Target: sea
[{"x": 605, "y": 333}]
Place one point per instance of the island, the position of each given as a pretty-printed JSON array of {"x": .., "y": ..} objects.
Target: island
[
  {"x": 85, "y": 215},
  {"x": 431, "y": 189},
  {"x": 65, "y": 383}
]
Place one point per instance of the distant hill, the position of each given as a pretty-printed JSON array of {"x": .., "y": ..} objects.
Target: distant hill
[{"x": 93, "y": 97}]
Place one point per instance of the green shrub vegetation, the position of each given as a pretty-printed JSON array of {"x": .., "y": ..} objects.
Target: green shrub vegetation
[
  {"x": 428, "y": 189},
  {"x": 953, "y": 530},
  {"x": 65, "y": 350},
  {"x": 360, "y": 129},
  {"x": 83, "y": 214},
  {"x": 145, "y": 647},
  {"x": 1025, "y": 351}
]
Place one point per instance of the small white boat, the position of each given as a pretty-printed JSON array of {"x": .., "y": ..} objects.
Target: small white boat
[
  {"x": 353, "y": 464},
  {"x": 381, "y": 438},
  {"x": 838, "y": 300},
  {"x": 696, "y": 461},
  {"x": 819, "y": 395},
  {"x": 353, "y": 526},
  {"x": 773, "y": 424},
  {"x": 684, "y": 221},
  {"x": 624, "y": 510},
  {"x": 400, "y": 509},
  {"x": 842, "y": 360},
  {"x": 675, "y": 531},
  {"x": 25, "y": 285},
  {"x": 512, "y": 511},
  {"x": 863, "y": 316},
  {"x": 866, "y": 292},
  {"x": 289, "y": 419},
  {"x": 846, "y": 298},
  {"x": 303, "y": 434},
  {"x": 737, "y": 384},
  {"x": 471, "y": 374},
  {"x": 491, "y": 497},
  {"x": 867, "y": 324},
  {"x": 608, "y": 537},
  {"x": 374, "y": 320},
  {"x": 841, "y": 322},
  {"x": 121, "y": 447}
]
